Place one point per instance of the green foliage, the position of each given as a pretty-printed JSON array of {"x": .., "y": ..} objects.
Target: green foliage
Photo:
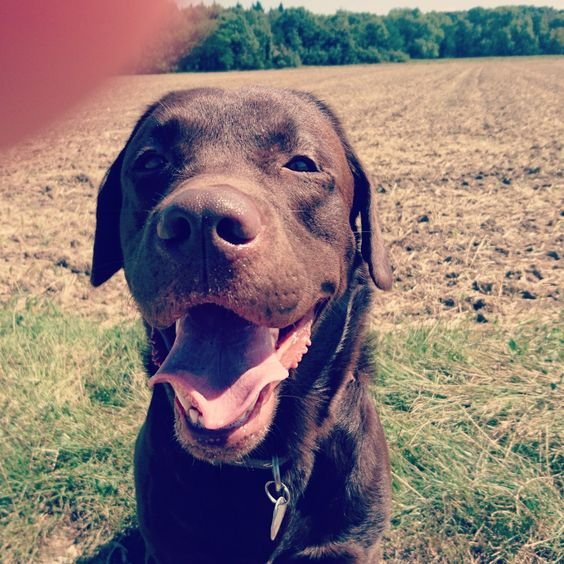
[
  {"x": 187, "y": 28},
  {"x": 216, "y": 39},
  {"x": 239, "y": 41}
]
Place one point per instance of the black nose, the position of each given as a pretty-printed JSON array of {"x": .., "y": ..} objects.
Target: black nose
[{"x": 220, "y": 216}]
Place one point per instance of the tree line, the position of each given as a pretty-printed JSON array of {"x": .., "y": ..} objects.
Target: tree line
[{"x": 211, "y": 38}]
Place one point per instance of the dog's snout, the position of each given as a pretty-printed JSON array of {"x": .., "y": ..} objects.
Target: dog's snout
[{"x": 218, "y": 216}]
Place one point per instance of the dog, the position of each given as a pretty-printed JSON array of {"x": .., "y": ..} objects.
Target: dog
[{"x": 247, "y": 230}]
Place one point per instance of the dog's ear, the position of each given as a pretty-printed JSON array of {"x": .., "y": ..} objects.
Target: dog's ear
[
  {"x": 371, "y": 242},
  {"x": 107, "y": 258}
]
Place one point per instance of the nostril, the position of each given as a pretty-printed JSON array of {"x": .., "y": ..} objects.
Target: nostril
[
  {"x": 217, "y": 218},
  {"x": 235, "y": 232},
  {"x": 174, "y": 226}
]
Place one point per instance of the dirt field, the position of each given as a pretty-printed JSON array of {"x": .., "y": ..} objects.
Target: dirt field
[{"x": 466, "y": 156}]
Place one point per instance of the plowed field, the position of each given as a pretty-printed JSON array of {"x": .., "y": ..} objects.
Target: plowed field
[{"x": 466, "y": 157}]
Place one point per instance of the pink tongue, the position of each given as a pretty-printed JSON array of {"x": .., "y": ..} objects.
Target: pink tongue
[{"x": 219, "y": 367}]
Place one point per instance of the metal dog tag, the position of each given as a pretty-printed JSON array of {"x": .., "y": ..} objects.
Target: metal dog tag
[
  {"x": 280, "y": 497},
  {"x": 278, "y": 516}
]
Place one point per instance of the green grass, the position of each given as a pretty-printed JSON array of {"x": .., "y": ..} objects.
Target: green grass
[
  {"x": 73, "y": 396},
  {"x": 471, "y": 418}
]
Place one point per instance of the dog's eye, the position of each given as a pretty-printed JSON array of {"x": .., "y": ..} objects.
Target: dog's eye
[
  {"x": 301, "y": 164},
  {"x": 150, "y": 162}
]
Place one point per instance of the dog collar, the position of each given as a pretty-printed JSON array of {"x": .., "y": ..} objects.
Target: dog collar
[
  {"x": 276, "y": 490},
  {"x": 258, "y": 464}
]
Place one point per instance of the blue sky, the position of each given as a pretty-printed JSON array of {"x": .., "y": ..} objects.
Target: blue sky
[{"x": 384, "y": 6}]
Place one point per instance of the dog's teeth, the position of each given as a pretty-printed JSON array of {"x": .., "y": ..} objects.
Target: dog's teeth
[
  {"x": 245, "y": 415},
  {"x": 243, "y": 419},
  {"x": 194, "y": 416},
  {"x": 183, "y": 402}
]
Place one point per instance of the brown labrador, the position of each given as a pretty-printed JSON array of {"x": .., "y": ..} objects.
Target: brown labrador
[{"x": 247, "y": 230}]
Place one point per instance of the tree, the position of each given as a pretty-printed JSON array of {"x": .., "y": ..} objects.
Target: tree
[
  {"x": 302, "y": 33},
  {"x": 523, "y": 35},
  {"x": 260, "y": 26},
  {"x": 237, "y": 38},
  {"x": 340, "y": 41},
  {"x": 232, "y": 45},
  {"x": 187, "y": 28},
  {"x": 421, "y": 34}
]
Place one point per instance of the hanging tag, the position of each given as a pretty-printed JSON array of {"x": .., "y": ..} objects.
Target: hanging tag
[
  {"x": 279, "y": 494},
  {"x": 278, "y": 516}
]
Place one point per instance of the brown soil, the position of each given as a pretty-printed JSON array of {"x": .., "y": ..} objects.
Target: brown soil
[{"x": 466, "y": 157}]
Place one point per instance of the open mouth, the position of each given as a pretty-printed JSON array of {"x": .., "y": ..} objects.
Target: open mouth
[{"x": 224, "y": 371}]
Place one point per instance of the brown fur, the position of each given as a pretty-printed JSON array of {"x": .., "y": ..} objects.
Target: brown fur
[{"x": 227, "y": 156}]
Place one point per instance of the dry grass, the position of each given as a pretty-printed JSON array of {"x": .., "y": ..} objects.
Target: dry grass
[{"x": 467, "y": 157}]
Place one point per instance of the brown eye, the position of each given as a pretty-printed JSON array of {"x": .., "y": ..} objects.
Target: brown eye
[
  {"x": 301, "y": 164},
  {"x": 150, "y": 162}
]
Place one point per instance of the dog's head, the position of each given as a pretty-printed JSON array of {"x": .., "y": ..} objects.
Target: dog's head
[{"x": 235, "y": 215}]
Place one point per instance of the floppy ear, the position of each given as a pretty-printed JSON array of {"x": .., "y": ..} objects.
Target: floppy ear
[
  {"x": 107, "y": 258},
  {"x": 371, "y": 242}
]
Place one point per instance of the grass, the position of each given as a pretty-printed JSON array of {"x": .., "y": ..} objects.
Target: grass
[
  {"x": 73, "y": 396},
  {"x": 471, "y": 417}
]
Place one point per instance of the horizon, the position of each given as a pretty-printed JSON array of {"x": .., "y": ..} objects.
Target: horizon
[{"x": 383, "y": 8}]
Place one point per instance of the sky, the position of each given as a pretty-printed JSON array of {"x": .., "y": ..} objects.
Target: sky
[{"x": 384, "y": 6}]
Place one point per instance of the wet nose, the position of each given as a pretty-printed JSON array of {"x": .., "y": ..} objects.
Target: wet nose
[{"x": 221, "y": 216}]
